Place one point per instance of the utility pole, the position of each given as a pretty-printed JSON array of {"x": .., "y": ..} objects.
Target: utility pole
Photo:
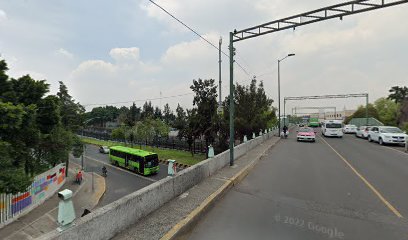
[
  {"x": 366, "y": 112},
  {"x": 231, "y": 110},
  {"x": 219, "y": 70}
]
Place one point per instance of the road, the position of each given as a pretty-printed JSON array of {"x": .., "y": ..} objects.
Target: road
[
  {"x": 333, "y": 189},
  {"x": 119, "y": 182}
]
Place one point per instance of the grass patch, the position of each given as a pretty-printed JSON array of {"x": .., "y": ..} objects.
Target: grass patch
[{"x": 164, "y": 154}]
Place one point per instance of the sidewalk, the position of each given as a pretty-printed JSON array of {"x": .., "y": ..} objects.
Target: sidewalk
[
  {"x": 178, "y": 216},
  {"x": 43, "y": 219}
]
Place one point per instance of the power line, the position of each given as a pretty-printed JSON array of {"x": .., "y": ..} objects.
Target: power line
[{"x": 196, "y": 33}]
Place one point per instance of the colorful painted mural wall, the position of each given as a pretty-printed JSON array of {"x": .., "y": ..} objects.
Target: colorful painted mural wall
[{"x": 44, "y": 186}]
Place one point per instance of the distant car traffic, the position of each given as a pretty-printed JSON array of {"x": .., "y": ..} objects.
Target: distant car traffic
[
  {"x": 362, "y": 132},
  {"x": 332, "y": 128},
  {"x": 350, "y": 129},
  {"x": 306, "y": 134},
  {"x": 104, "y": 149},
  {"x": 387, "y": 135}
]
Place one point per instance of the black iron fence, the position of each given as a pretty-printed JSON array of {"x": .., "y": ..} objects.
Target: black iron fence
[{"x": 198, "y": 146}]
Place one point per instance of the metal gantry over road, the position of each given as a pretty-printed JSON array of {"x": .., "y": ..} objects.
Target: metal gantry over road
[
  {"x": 353, "y": 95},
  {"x": 335, "y": 11},
  {"x": 295, "y": 109}
]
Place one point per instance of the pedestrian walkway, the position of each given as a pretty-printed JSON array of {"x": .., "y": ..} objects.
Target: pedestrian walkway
[
  {"x": 43, "y": 219},
  {"x": 176, "y": 217}
]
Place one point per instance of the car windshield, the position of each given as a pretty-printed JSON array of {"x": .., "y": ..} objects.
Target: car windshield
[
  {"x": 391, "y": 130},
  {"x": 333, "y": 125}
]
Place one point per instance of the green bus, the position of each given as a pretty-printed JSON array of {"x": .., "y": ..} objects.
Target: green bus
[
  {"x": 137, "y": 160},
  {"x": 314, "y": 122}
]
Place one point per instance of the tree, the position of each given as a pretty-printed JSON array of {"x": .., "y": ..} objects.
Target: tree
[
  {"x": 157, "y": 113},
  {"x": 134, "y": 115},
  {"x": 191, "y": 131},
  {"x": 180, "y": 120},
  {"x": 48, "y": 114},
  {"x": 35, "y": 131},
  {"x": 387, "y": 111},
  {"x": 12, "y": 177},
  {"x": 28, "y": 91},
  {"x": 205, "y": 101},
  {"x": 118, "y": 133},
  {"x": 77, "y": 146},
  {"x": 6, "y": 93},
  {"x": 254, "y": 110},
  {"x": 148, "y": 110},
  {"x": 71, "y": 112},
  {"x": 168, "y": 115},
  {"x": 56, "y": 146},
  {"x": 398, "y": 94},
  {"x": 361, "y": 113},
  {"x": 123, "y": 115}
]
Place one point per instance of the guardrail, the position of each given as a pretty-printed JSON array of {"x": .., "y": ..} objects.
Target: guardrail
[{"x": 106, "y": 222}]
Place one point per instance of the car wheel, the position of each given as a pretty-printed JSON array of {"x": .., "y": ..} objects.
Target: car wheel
[
  {"x": 380, "y": 141},
  {"x": 369, "y": 139}
]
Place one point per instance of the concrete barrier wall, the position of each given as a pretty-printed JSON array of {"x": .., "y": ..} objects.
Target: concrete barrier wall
[{"x": 106, "y": 222}]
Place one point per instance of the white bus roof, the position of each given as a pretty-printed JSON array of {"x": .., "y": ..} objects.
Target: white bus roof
[{"x": 333, "y": 121}]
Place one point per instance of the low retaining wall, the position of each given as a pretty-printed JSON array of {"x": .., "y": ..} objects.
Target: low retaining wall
[
  {"x": 106, "y": 222},
  {"x": 43, "y": 187}
]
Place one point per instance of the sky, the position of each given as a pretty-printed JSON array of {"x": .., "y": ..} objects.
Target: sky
[{"x": 122, "y": 51}]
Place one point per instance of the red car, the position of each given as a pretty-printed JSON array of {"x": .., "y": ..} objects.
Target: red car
[{"x": 306, "y": 134}]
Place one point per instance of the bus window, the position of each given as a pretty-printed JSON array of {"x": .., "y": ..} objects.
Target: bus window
[{"x": 151, "y": 161}]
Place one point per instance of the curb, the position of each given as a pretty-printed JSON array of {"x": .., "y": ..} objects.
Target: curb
[
  {"x": 102, "y": 191},
  {"x": 183, "y": 227}
]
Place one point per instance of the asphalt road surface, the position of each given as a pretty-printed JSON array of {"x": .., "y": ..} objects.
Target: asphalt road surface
[
  {"x": 333, "y": 189},
  {"x": 119, "y": 182}
]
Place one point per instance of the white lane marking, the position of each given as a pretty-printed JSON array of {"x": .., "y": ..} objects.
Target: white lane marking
[{"x": 368, "y": 184}]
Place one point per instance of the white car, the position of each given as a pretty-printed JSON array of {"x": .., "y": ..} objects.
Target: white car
[
  {"x": 350, "y": 129},
  {"x": 362, "y": 132},
  {"x": 104, "y": 149},
  {"x": 332, "y": 128},
  {"x": 387, "y": 135}
]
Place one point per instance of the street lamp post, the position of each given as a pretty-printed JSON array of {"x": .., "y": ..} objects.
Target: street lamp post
[{"x": 279, "y": 108}]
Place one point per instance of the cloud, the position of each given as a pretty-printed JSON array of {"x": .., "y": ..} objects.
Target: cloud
[
  {"x": 146, "y": 52},
  {"x": 64, "y": 53},
  {"x": 125, "y": 54},
  {"x": 3, "y": 16}
]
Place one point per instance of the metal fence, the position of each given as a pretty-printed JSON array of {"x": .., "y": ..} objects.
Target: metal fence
[
  {"x": 198, "y": 146},
  {"x": 43, "y": 187}
]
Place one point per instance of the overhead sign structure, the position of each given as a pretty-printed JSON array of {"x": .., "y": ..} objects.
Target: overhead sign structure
[{"x": 335, "y": 11}]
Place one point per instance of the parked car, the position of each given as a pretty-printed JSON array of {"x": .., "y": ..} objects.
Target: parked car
[
  {"x": 350, "y": 129},
  {"x": 104, "y": 149},
  {"x": 387, "y": 135},
  {"x": 362, "y": 132},
  {"x": 306, "y": 134}
]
